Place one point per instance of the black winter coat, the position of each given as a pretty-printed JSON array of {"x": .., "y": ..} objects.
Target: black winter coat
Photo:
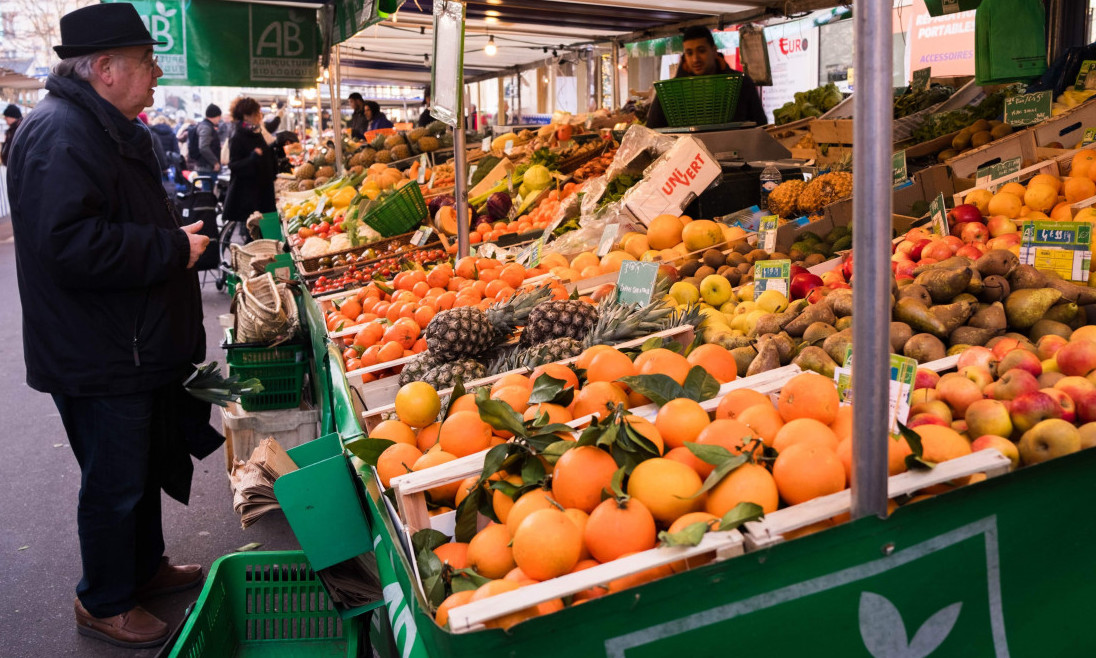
[
  {"x": 251, "y": 187},
  {"x": 166, "y": 135},
  {"x": 109, "y": 307}
]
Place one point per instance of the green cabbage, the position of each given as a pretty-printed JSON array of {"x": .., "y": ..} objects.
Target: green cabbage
[{"x": 537, "y": 177}]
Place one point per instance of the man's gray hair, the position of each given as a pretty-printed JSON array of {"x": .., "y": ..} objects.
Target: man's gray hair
[{"x": 77, "y": 67}]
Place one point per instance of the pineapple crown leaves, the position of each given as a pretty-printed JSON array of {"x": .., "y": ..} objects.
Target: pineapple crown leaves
[
  {"x": 724, "y": 461},
  {"x": 660, "y": 389},
  {"x": 692, "y": 534}
]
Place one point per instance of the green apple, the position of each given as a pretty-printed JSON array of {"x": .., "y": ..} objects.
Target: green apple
[
  {"x": 716, "y": 289},
  {"x": 772, "y": 301},
  {"x": 684, "y": 293}
]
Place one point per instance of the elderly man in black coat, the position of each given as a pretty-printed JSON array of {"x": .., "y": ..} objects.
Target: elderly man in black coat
[{"x": 112, "y": 313}]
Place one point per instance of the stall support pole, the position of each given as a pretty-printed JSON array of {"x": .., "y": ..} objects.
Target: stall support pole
[
  {"x": 872, "y": 204},
  {"x": 615, "y": 63},
  {"x": 460, "y": 177},
  {"x": 334, "y": 84}
]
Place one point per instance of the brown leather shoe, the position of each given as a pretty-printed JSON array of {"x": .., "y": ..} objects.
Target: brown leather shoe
[
  {"x": 134, "y": 629},
  {"x": 171, "y": 578}
]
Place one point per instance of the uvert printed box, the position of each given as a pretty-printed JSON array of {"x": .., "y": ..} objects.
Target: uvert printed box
[{"x": 673, "y": 181}]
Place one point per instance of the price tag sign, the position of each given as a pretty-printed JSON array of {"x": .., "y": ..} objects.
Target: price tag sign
[
  {"x": 422, "y": 169},
  {"x": 530, "y": 256},
  {"x": 433, "y": 177},
  {"x": 1090, "y": 136},
  {"x": 898, "y": 165},
  {"x": 636, "y": 282},
  {"x": 510, "y": 181},
  {"x": 766, "y": 236},
  {"x": 903, "y": 372},
  {"x": 997, "y": 172},
  {"x": 472, "y": 172},
  {"x": 486, "y": 146},
  {"x": 772, "y": 275},
  {"x": 938, "y": 211},
  {"x": 321, "y": 205},
  {"x": 1026, "y": 109},
  {"x": 1086, "y": 76},
  {"x": 1064, "y": 248},
  {"x": 509, "y": 147},
  {"x": 919, "y": 79},
  {"x": 608, "y": 239},
  {"x": 422, "y": 236}
]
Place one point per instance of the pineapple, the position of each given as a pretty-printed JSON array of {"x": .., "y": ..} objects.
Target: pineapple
[
  {"x": 414, "y": 370},
  {"x": 306, "y": 171},
  {"x": 783, "y": 199},
  {"x": 444, "y": 375},
  {"x": 468, "y": 332},
  {"x": 568, "y": 318},
  {"x": 824, "y": 190}
]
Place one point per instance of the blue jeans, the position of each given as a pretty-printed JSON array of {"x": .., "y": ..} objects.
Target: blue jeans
[{"x": 118, "y": 517}]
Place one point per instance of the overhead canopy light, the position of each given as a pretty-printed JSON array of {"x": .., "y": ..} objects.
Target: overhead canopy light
[{"x": 490, "y": 50}]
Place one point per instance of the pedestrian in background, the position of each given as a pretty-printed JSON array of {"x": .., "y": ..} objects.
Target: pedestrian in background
[
  {"x": 251, "y": 161},
  {"x": 359, "y": 123},
  {"x": 12, "y": 116},
  {"x": 204, "y": 145},
  {"x": 376, "y": 119},
  {"x": 112, "y": 313}
]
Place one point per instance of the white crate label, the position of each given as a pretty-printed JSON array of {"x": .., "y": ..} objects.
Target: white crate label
[
  {"x": 530, "y": 256},
  {"x": 998, "y": 174},
  {"x": 636, "y": 282},
  {"x": 766, "y": 236},
  {"x": 486, "y": 144},
  {"x": 772, "y": 275},
  {"x": 433, "y": 177},
  {"x": 903, "y": 372},
  {"x": 1064, "y": 248},
  {"x": 608, "y": 239},
  {"x": 1086, "y": 76},
  {"x": 321, "y": 205},
  {"x": 422, "y": 169},
  {"x": 508, "y": 147},
  {"x": 422, "y": 236},
  {"x": 938, "y": 210},
  {"x": 1090, "y": 135}
]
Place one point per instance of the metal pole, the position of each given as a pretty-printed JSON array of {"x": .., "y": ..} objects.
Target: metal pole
[
  {"x": 616, "y": 76},
  {"x": 460, "y": 182},
  {"x": 872, "y": 204},
  {"x": 517, "y": 84},
  {"x": 501, "y": 84},
  {"x": 334, "y": 86}
]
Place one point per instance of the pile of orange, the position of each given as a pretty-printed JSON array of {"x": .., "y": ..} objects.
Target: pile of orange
[
  {"x": 536, "y": 219},
  {"x": 391, "y": 323}
]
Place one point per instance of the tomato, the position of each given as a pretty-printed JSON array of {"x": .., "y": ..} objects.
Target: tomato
[{"x": 306, "y": 232}]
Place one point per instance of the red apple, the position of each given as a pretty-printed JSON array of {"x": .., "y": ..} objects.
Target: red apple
[
  {"x": 978, "y": 356},
  {"x": 1020, "y": 358},
  {"x": 923, "y": 395},
  {"x": 802, "y": 284},
  {"x": 980, "y": 375},
  {"x": 926, "y": 419},
  {"x": 603, "y": 291},
  {"x": 958, "y": 392},
  {"x": 905, "y": 268},
  {"x": 1074, "y": 387},
  {"x": 988, "y": 417},
  {"x": 1028, "y": 409},
  {"x": 919, "y": 233},
  {"x": 832, "y": 277},
  {"x": 1003, "y": 241},
  {"x": 1047, "y": 346},
  {"x": 1077, "y": 358},
  {"x": 846, "y": 268},
  {"x": 971, "y": 251},
  {"x": 938, "y": 250},
  {"x": 925, "y": 378},
  {"x": 1006, "y": 345},
  {"x": 953, "y": 242},
  {"x": 999, "y": 225},
  {"x": 669, "y": 271},
  {"x": 964, "y": 212},
  {"x": 1002, "y": 445},
  {"x": 937, "y": 408},
  {"x": 1064, "y": 402},
  {"x": 1014, "y": 384},
  {"x": 1086, "y": 407},
  {"x": 796, "y": 269}
]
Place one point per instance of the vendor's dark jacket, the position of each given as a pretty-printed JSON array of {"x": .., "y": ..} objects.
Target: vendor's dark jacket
[{"x": 109, "y": 307}]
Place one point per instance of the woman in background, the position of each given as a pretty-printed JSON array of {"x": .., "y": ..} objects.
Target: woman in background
[{"x": 251, "y": 161}]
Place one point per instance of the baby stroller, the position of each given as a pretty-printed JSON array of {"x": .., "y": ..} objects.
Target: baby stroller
[{"x": 199, "y": 202}]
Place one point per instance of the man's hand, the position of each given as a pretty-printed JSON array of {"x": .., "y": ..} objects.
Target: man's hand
[
  {"x": 198, "y": 242},
  {"x": 217, "y": 167}
]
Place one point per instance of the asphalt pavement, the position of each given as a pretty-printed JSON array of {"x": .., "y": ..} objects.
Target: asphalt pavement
[{"x": 39, "y": 482}]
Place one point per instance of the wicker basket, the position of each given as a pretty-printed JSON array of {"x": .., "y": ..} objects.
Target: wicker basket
[
  {"x": 260, "y": 312},
  {"x": 244, "y": 255}
]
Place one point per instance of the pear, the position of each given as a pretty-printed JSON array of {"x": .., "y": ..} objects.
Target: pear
[
  {"x": 815, "y": 358},
  {"x": 1026, "y": 306}
]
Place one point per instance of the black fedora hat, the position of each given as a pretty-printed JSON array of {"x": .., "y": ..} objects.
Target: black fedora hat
[{"x": 102, "y": 27}]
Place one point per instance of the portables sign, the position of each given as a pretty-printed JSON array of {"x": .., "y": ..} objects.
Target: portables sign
[
  {"x": 208, "y": 42},
  {"x": 681, "y": 175}
]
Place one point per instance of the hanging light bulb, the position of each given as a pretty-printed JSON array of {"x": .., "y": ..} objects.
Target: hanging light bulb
[{"x": 490, "y": 48}]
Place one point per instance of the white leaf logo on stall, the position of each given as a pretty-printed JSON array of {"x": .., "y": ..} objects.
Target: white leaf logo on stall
[
  {"x": 884, "y": 632},
  {"x": 163, "y": 11}
]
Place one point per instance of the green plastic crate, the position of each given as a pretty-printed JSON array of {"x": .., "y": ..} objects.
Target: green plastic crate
[
  {"x": 268, "y": 604},
  {"x": 231, "y": 283},
  {"x": 400, "y": 213},
  {"x": 700, "y": 100},
  {"x": 280, "y": 369}
]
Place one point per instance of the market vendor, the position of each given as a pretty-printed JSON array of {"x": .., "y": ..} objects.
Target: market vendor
[
  {"x": 700, "y": 57},
  {"x": 112, "y": 314}
]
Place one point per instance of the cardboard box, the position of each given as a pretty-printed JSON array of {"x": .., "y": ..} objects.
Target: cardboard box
[
  {"x": 1067, "y": 128},
  {"x": 832, "y": 131},
  {"x": 1019, "y": 144},
  {"x": 672, "y": 182}
]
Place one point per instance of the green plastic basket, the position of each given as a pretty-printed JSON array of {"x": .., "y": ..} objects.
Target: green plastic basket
[
  {"x": 268, "y": 604},
  {"x": 280, "y": 369},
  {"x": 701, "y": 100},
  {"x": 231, "y": 282},
  {"x": 400, "y": 213}
]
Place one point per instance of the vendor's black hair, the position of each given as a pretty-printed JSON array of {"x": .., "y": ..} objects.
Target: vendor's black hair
[
  {"x": 374, "y": 107},
  {"x": 698, "y": 32}
]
